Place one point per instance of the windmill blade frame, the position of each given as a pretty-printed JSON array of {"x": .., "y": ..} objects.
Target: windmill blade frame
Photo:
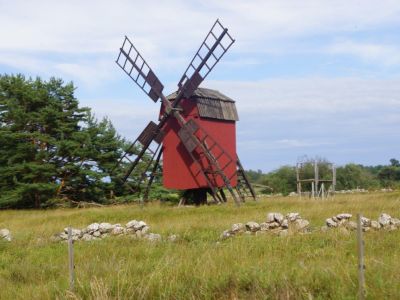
[
  {"x": 135, "y": 66},
  {"x": 214, "y": 46}
]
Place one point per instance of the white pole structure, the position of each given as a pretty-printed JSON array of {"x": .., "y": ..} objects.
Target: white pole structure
[
  {"x": 71, "y": 260},
  {"x": 361, "y": 266},
  {"x": 333, "y": 179},
  {"x": 298, "y": 167},
  {"x": 316, "y": 179},
  {"x": 312, "y": 190}
]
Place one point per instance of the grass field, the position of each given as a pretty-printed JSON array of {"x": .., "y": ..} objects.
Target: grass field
[{"x": 313, "y": 266}]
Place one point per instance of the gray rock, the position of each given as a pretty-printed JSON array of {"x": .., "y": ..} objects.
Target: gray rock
[
  {"x": 301, "y": 224},
  {"x": 395, "y": 222},
  {"x": 173, "y": 238},
  {"x": 74, "y": 231},
  {"x": 117, "y": 230},
  {"x": 226, "y": 234},
  {"x": 238, "y": 227},
  {"x": 131, "y": 224},
  {"x": 335, "y": 219},
  {"x": 278, "y": 217},
  {"x": 252, "y": 226},
  {"x": 145, "y": 229},
  {"x": 342, "y": 222},
  {"x": 285, "y": 224},
  {"x": 92, "y": 227},
  {"x": 105, "y": 227},
  {"x": 5, "y": 234},
  {"x": 96, "y": 234},
  {"x": 375, "y": 225},
  {"x": 153, "y": 237},
  {"x": 330, "y": 222},
  {"x": 365, "y": 222},
  {"x": 63, "y": 236},
  {"x": 139, "y": 225},
  {"x": 351, "y": 225},
  {"x": 344, "y": 216},
  {"x": 384, "y": 219},
  {"x": 273, "y": 225},
  {"x": 87, "y": 237},
  {"x": 293, "y": 216},
  {"x": 264, "y": 226},
  {"x": 129, "y": 230},
  {"x": 139, "y": 234},
  {"x": 270, "y": 217}
]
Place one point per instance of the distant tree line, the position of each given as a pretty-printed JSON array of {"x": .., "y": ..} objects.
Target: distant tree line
[{"x": 349, "y": 176}]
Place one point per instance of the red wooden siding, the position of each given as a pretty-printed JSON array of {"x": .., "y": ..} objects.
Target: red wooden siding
[{"x": 179, "y": 170}]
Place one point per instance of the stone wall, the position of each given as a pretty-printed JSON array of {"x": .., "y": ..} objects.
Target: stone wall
[
  {"x": 293, "y": 223},
  {"x": 97, "y": 231},
  {"x": 275, "y": 223},
  {"x": 344, "y": 221}
]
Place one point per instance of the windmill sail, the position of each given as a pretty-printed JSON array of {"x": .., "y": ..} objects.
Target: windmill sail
[
  {"x": 133, "y": 64},
  {"x": 214, "y": 46}
]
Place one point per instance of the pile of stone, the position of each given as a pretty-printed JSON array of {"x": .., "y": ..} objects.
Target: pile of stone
[
  {"x": 385, "y": 222},
  {"x": 96, "y": 231},
  {"x": 5, "y": 234},
  {"x": 353, "y": 191},
  {"x": 275, "y": 223}
]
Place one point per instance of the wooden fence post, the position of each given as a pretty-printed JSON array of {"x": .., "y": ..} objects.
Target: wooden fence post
[
  {"x": 361, "y": 266},
  {"x": 71, "y": 260}
]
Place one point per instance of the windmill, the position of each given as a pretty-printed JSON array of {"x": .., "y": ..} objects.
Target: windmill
[{"x": 195, "y": 132}]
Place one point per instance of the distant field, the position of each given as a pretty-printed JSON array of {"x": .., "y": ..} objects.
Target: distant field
[{"x": 313, "y": 266}]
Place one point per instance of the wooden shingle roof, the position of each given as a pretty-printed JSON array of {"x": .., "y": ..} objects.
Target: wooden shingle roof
[{"x": 213, "y": 104}]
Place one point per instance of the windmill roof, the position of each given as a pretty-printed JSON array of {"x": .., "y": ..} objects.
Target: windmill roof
[
  {"x": 204, "y": 93},
  {"x": 212, "y": 104}
]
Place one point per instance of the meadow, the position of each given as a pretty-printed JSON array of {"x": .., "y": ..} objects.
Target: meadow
[{"x": 320, "y": 265}]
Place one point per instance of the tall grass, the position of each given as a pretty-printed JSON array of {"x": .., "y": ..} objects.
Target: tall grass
[{"x": 199, "y": 266}]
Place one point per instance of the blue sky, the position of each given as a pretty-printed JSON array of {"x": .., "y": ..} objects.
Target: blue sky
[{"x": 315, "y": 78}]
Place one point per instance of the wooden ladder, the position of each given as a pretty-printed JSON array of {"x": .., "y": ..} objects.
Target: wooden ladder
[{"x": 207, "y": 155}]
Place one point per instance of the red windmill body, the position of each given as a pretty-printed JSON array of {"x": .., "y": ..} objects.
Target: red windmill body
[
  {"x": 216, "y": 114},
  {"x": 195, "y": 134}
]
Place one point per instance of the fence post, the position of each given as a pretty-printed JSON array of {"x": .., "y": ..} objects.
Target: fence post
[
  {"x": 71, "y": 260},
  {"x": 361, "y": 266}
]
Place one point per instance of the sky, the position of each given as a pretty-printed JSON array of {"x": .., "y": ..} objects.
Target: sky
[{"x": 310, "y": 78}]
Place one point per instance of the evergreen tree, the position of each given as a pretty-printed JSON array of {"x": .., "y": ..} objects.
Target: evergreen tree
[{"x": 50, "y": 147}]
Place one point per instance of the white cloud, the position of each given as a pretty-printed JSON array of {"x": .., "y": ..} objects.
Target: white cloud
[
  {"x": 91, "y": 73},
  {"x": 369, "y": 52},
  {"x": 168, "y": 32},
  {"x": 305, "y": 96}
]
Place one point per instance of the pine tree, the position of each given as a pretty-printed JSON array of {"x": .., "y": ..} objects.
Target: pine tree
[{"x": 50, "y": 147}]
